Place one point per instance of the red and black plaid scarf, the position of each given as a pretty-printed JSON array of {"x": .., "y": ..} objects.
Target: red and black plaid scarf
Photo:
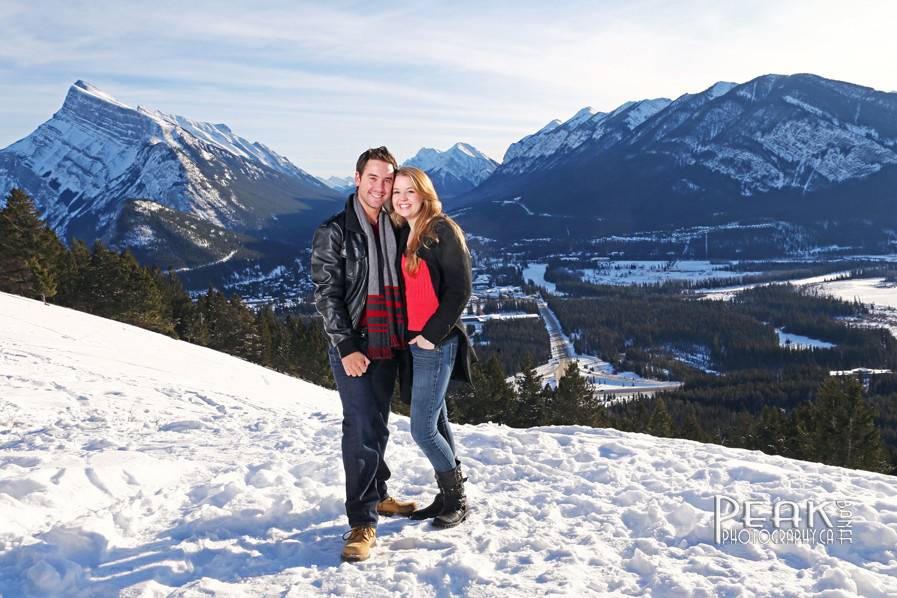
[{"x": 384, "y": 311}]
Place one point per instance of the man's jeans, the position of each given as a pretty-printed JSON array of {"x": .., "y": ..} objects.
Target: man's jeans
[
  {"x": 365, "y": 401},
  {"x": 430, "y": 426}
]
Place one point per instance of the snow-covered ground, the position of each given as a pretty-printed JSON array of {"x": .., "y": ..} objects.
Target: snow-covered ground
[
  {"x": 799, "y": 341},
  {"x": 877, "y": 293},
  {"x": 874, "y": 291},
  {"x": 632, "y": 272},
  {"x": 135, "y": 465},
  {"x": 479, "y": 321},
  {"x": 695, "y": 355},
  {"x": 536, "y": 273},
  {"x": 726, "y": 293}
]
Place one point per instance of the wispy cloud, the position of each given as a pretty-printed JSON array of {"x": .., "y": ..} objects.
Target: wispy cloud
[{"x": 319, "y": 83}]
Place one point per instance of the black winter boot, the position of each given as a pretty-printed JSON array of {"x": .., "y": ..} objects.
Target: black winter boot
[
  {"x": 454, "y": 504},
  {"x": 435, "y": 507},
  {"x": 429, "y": 512}
]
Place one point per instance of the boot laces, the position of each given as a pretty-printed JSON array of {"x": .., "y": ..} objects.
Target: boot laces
[{"x": 357, "y": 534}]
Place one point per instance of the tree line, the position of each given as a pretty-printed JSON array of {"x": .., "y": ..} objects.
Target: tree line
[
  {"x": 97, "y": 280},
  {"x": 832, "y": 423}
]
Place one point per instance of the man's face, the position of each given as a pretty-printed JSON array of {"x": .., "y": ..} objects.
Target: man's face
[{"x": 375, "y": 183}]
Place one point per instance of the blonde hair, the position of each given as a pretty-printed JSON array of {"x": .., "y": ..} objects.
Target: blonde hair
[{"x": 430, "y": 213}]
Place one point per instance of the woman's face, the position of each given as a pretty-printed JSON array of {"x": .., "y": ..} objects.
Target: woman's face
[{"x": 405, "y": 200}]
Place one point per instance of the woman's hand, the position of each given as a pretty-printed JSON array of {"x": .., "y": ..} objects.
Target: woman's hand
[{"x": 421, "y": 342}]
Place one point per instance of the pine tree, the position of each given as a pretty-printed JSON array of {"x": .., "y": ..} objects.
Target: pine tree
[
  {"x": 636, "y": 416},
  {"x": 197, "y": 325},
  {"x": 266, "y": 325},
  {"x": 490, "y": 398},
  {"x": 692, "y": 428},
  {"x": 244, "y": 340},
  {"x": 44, "y": 280},
  {"x": 142, "y": 303},
  {"x": 73, "y": 288},
  {"x": 313, "y": 347},
  {"x": 115, "y": 286},
  {"x": 530, "y": 397},
  {"x": 573, "y": 393},
  {"x": 770, "y": 433},
  {"x": 592, "y": 410},
  {"x": 838, "y": 428},
  {"x": 660, "y": 423},
  {"x": 177, "y": 307},
  {"x": 30, "y": 252}
]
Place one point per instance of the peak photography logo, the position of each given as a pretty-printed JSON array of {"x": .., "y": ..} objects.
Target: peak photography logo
[{"x": 781, "y": 522}]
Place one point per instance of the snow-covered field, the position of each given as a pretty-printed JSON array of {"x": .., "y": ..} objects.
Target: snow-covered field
[
  {"x": 799, "y": 341},
  {"x": 135, "y": 465},
  {"x": 634, "y": 272},
  {"x": 626, "y": 272},
  {"x": 874, "y": 291},
  {"x": 881, "y": 295},
  {"x": 726, "y": 293},
  {"x": 536, "y": 273}
]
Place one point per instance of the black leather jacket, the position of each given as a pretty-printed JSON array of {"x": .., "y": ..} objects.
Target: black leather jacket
[{"x": 339, "y": 270}]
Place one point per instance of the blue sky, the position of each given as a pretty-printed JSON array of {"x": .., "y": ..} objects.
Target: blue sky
[{"x": 321, "y": 83}]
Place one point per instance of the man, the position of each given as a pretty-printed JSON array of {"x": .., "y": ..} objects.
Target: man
[{"x": 353, "y": 267}]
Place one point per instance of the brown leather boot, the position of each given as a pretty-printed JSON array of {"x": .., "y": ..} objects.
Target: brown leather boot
[
  {"x": 391, "y": 506},
  {"x": 358, "y": 543}
]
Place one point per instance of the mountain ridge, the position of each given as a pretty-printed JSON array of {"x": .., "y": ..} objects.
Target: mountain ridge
[{"x": 728, "y": 152}]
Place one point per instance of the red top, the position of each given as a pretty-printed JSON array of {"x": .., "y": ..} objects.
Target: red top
[{"x": 420, "y": 298}]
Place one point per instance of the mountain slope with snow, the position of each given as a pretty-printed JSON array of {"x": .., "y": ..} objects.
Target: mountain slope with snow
[
  {"x": 454, "y": 171},
  {"x": 132, "y": 464},
  {"x": 96, "y": 152}
]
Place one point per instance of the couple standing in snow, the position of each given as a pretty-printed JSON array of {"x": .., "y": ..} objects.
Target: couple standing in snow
[{"x": 392, "y": 276}]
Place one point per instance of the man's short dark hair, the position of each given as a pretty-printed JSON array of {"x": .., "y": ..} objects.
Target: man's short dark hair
[{"x": 375, "y": 153}]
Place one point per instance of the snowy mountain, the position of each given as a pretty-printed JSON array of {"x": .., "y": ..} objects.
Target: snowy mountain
[
  {"x": 95, "y": 153},
  {"x": 546, "y": 147},
  {"x": 454, "y": 171},
  {"x": 137, "y": 465},
  {"x": 342, "y": 185},
  {"x": 787, "y": 147}
]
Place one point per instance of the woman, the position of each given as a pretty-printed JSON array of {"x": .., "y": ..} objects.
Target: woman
[{"x": 435, "y": 267}]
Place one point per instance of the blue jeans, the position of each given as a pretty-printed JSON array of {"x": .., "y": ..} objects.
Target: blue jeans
[
  {"x": 430, "y": 426},
  {"x": 365, "y": 402}
]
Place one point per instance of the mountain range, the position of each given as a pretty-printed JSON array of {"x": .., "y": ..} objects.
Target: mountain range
[{"x": 802, "y": 149}]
